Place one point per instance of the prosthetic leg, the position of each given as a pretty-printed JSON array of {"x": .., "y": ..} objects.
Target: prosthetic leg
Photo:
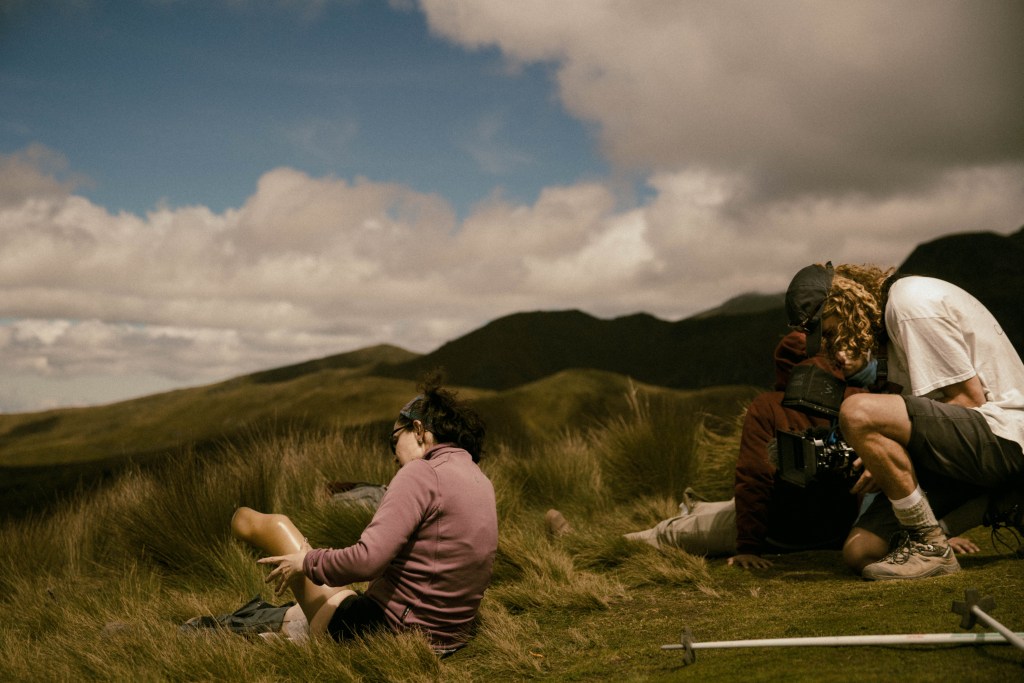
[{"x": 276, "y": 535}]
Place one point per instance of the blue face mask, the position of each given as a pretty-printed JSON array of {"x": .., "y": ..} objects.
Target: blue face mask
[{"x": 866, "y": 376}]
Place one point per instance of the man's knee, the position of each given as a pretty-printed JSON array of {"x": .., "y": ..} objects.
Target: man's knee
[
  {"x": 886, "y": 414},
  {"x": 857, "y": 413}
]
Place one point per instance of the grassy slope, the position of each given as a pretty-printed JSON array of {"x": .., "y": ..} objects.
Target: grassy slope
[
  {"x": 44, "y": 455},
  {"x": 143, "y": 556},
  {"x": 584, "y": 399},
  {"x": 320, "y": 394},
  {"x": 803, "y": 595}
]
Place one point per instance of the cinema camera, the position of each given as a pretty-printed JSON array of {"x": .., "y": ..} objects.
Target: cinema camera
[{"x": 818, "y": 453}]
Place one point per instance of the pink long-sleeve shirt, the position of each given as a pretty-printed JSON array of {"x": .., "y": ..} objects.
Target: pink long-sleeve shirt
[{"x": 429, "y": 549}]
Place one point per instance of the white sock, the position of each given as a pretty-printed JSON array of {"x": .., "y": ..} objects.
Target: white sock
[
  {"x": 914, "y": 511},
  {"x": 910, "y": 501}
]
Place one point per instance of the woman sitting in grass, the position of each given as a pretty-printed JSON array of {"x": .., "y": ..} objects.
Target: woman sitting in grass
[{"x": 427, "y": 552}]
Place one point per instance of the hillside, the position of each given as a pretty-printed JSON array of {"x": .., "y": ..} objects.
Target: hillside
[
  {"x": 689, "y": 354},
  {"x": 583, "y": 399},
  {"x": 48, "y": 455},
  {"x": 337, "y": 393},
  {"x": 731, "y": 344},
  {"x": 529, "y": 372}
]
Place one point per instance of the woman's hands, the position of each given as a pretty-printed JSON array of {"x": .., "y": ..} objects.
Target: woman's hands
[{"x": 288, "y": 567}]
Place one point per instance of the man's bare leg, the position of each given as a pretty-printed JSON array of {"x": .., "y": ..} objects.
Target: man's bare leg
[
  {"x": 863, "y": 547},
  {"x": 878, "y": 428},
  {"x": 276, "y": 535}
]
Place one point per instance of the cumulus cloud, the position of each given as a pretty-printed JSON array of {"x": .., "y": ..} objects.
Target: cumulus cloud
[
  {"x": 771, "y": 135},
  {"x": 817, "y": 98},
  {"x": 33, "y": 172},
  {"x": 311, "y": 266}
]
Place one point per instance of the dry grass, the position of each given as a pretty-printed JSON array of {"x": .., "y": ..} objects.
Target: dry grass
[{"x": 97, "y": 589}]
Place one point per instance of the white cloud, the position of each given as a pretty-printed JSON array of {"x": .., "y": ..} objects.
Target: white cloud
[
  {"x": 802, "y": 97},
  {"x": 772, "y": 135},
  {"x": 41, "y": 332},
  {"x": 32, "y": 172},
  {"x": 309, "y": 266}
]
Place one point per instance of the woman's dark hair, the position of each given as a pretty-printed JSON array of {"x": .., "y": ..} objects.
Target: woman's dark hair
[{"x": 443, "y": 414}]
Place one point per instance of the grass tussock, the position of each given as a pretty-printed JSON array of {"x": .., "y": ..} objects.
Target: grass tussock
[
  {"x": 539, "y": 575},
  {"x": 98, "y": 588},
  {"x": 559, "y": 473},
  {"x": 653, "y": 448},
  {"x": 507, "y": 645}
]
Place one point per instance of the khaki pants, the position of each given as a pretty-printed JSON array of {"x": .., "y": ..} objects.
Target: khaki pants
[{"x": 702, "y": 528}]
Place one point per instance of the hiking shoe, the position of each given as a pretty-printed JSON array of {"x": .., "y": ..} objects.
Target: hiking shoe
[
  {"x": 556, "y": 523},
  {"x": 913, "y": 558}
]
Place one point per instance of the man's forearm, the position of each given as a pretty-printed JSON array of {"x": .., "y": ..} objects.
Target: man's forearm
[{"x": 969, "y": 393}]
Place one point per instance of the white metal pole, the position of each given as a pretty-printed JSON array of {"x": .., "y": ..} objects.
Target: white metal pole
[
  {"x": 832, "y": 641},
  {"x": 1011, "y": 637}
]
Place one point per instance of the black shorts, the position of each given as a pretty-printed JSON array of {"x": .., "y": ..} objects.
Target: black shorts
[
  {"x": 956, "y": 442},
  {"x": 356, "y": 615}
]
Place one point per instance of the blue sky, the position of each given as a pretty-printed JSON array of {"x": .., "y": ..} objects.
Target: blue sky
[
  {"x": 190, "y": 102},
  {"x": 191, "y": 190}
]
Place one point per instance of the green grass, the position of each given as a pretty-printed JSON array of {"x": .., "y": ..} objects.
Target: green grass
[
  {"x": 96, "y": 589},
  {"x": 47, "y": 456}
]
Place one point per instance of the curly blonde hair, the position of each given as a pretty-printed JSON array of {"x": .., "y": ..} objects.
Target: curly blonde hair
[{"x": 855, "y": 300}]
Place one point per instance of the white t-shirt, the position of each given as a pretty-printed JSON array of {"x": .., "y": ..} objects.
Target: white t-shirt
[{"x": 941, "y": 335}]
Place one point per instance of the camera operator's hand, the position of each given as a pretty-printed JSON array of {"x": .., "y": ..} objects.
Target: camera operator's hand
[
  {"x": 749, "y": 562},
  {"x": 866, "y": 483},
  {"x": 963, "y": 546}
]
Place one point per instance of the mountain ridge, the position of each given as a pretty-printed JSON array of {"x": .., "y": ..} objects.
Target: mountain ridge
[
  {"x": 567, "y": 364},
  {"x": 728, "y": 344}
]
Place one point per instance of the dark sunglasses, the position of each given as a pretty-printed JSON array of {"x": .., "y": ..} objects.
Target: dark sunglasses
[{"x": 394, "y": 438}]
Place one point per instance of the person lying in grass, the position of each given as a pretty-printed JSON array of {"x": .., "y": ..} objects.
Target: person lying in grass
[{"x": 428, "y": 551}]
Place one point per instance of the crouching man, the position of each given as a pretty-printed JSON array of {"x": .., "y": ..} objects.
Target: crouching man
[{"x": 962, "y": 412}]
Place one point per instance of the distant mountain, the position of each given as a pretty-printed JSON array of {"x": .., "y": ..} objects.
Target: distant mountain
[
  {"x": 688, "y": 354},
  {"x": 372, "y": 356},
  {"x": 751, "y": 302},
  {"x": 988, "y": 265},
  {"x": 730, "y": 344}
]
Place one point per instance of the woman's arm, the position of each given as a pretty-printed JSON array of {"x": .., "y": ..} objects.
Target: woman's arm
[{"x": 408, "y": 501}]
